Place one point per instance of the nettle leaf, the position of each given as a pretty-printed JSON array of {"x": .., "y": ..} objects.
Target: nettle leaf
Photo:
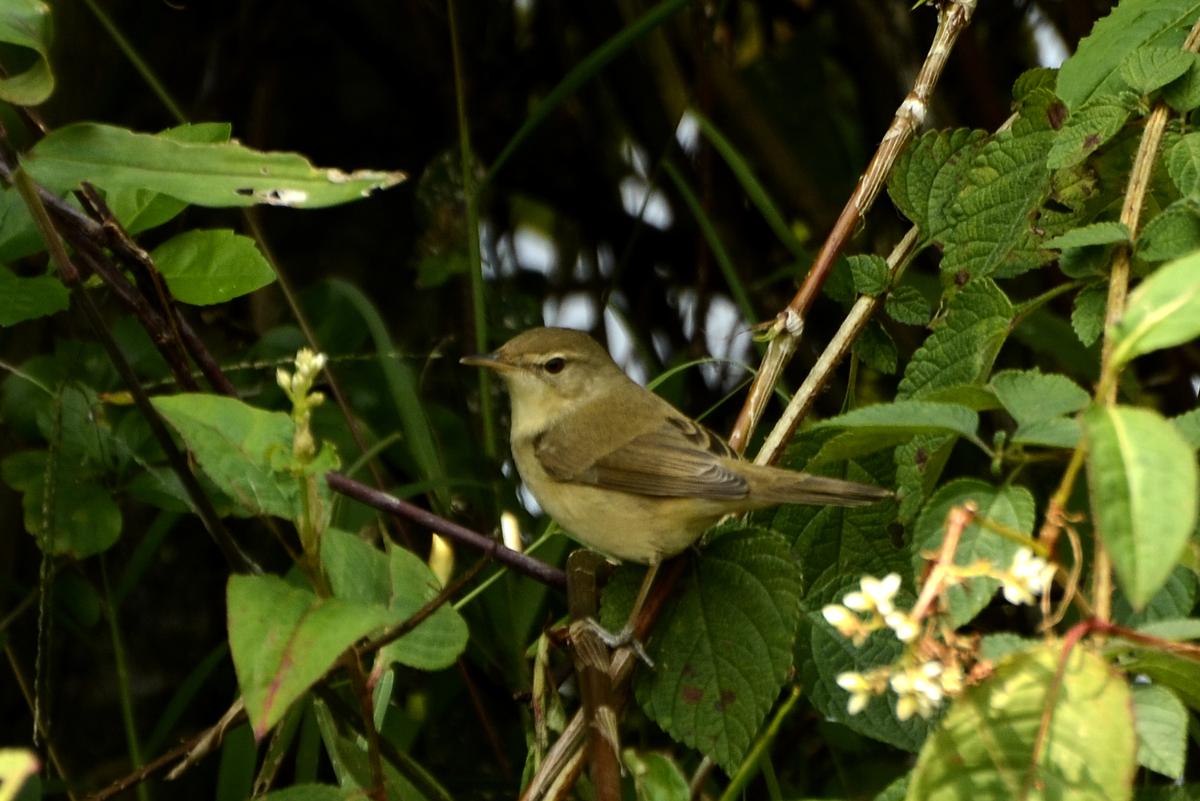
[
  {"x": 1172, "y": 233},
  {"x": 27, "y": 24},
  {"x": 1142, "y": 478},
  {"x": 1038, "y": 402},
  {"x": 987, "y": 747},
  {"x": 1008, "y": 505},
  {"x": 1149, "y": 68},
  {"x": 1161, "y": 722},
  {"x": 870, "y": 273},
  {"x": 993, "y": 216},
  {"x": 906, "y": 304},
  {"x": 929, "y": 174},
  {"x": 742, "y": 598},
  {"x": 283, "y": 638},
  {"x": 1087, "y": 313},
  {"x": 1183, "y": 94},
  {"x": 1087, "y": 129},
  {"x": 876, "y": 349},
  {"x": 206, "y": 267},
  {"x": 24, "y": 299},
  {"x": 1095, "y": 68},
  {"x": 244, "y": 450},
  {"x": 1176, "y": 599},
  {"x": 885, "y": 425},
  {"x": 1183, "y": 164},
  {"x": 84, "y": 518},
  {"x": 219, "y": 175},
  {"x": 1100, "y": 233},
  {"x": 1162, "y": 312}
]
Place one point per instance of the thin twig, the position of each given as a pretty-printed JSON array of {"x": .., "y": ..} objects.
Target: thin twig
[{"x": 953, "y": 18}]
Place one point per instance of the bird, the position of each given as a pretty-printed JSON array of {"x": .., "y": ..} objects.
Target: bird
[{"x": 620, "y": 469}]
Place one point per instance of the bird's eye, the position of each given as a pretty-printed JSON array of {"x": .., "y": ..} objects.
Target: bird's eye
[{"x": 555, "y": 366}]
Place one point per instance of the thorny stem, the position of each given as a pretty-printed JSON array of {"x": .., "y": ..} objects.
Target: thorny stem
[{"x": 953, "y": 18}]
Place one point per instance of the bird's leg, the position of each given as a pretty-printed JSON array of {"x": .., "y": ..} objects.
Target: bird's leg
[{"x": 625, "y": 637}]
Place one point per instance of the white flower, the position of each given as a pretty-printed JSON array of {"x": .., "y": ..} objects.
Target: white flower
[
  {"x": 903, "y": 625},
  {"x": 919, "y": 689},
  {"x": 876, "y": 594},
  {"x": 1027, "y": 578},
  {"x": 862, "y": 686}
]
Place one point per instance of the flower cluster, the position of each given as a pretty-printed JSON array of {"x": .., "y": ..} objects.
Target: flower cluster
[
  {"x": 1027, "y": 578},
  {"x": 875, "y": 610},
  {"x": 298, "y": 388},
  {"x": 920, "y": 687}
]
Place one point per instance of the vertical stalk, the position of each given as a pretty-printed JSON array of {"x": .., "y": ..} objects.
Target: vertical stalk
[
  {"x": 118, "y": 645},
  {"x": 474, "y": 258}
]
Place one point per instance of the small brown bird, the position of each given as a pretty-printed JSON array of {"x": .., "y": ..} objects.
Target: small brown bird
[{"x": 621, "y": 469}]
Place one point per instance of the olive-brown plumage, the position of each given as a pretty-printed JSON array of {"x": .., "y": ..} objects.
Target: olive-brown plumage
[{"x": 621, "y": 469}]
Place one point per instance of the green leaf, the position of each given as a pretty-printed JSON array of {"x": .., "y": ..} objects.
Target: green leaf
[
  {"x": 1086, "y": 130},
  {"x": 220, "y": 175},
  {"x": 1087, "y": 313},
  {"x": 1101, "y": 233},
  {"x": 928, "y": 175},
  {"x": 1183, "y": 94},
  {"x": 963, "y": 347},
  {"x": 1188, "y": 424},
  {"x": 876, "y": 349},
  {"x": 1008, "y": 505},
  {"x": 870, "y": 273},
  {"x": 27, "y": 24},
  {"x": 311, "y": 792},
  {"x": 283, "y": 638},
  {"x": 1185, "y": 628},
  {"x": 1183, "y": 164},
  {"x": 1058, "y": 432},
  {"x": 402, "y": 583},
  {"x": 1031, "y": 396},
  {"x": 1094, "y": 69},
  {"x": 905, "y": 304},
  {"x": 1161, "y": 722},
  {"x": 1179, "y": 673},
  {"x": 994, "y": 647},
  {"x": 244, "y": 450},
  {"x": 1163, "y": 311},
  {"x": 884, "y": 425},
  {"x": 1142, "y": 477},
  {"x": 1149, "y": 68},
  {"x": 204, "y": 267},
  {"x": 985, "y": 747},
  {"x": 1172, "y": 233},
  {"x": 1176, "y": 599},
  {"x": 656, "y": 777},
  {"x": 744, "y": 595},
  {"x": 24, "y": 299},
  {"x": 84, "y": 520}
]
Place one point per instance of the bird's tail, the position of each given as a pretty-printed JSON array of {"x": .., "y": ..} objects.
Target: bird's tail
[{"x": 771, "y": 485}]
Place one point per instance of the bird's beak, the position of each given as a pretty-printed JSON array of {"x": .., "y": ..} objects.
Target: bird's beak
[{"x": 491, "y": 361}]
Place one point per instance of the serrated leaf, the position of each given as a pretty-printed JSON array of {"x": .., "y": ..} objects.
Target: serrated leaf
[
  {"x": 1149, "y": 68},
  {"x": 1087, "y": 313},
  {"x": 928, "y": 177},
  {"x": 1142, "y": 479},
  {"x": 884, "y": 425},
  {"x": 988, "y": 742},
  {"x": 1183, "y": 164},
  {"x": 244, "y": 450},
  {"x": 743, "y": 597},
  {"x": 1100, "y": 233},
  {"x": 203, "y": 267},
  {"x": 283, "y": 638},
  {"x": 870, "y": 273},
  {"x": 1161, "y": 722},
  {"x": 905, "y": 304},
  {"x": 1163, "y": 311},
  {"x": 1176, "y": 599},
  {"x": 1183, "y": 94},
  {"x": 1008, "y": 505},
  {"x": 1188, "y": 424},
  {"x": 1094, "y": 69},
  {"x": 24, "y": 299},
  {"x": 27, "y": 24},
  {"x": 1031, "y": 396},
  {"x": 876, "y": 349},
  {"x": 219, "y": 175},
  {"x": 1172, "y": 233},
  {"x": 961, "y": 350},
  {"x": 1086, "y": 130}
]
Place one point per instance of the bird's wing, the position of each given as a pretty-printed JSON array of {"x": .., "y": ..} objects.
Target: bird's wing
[{"x": 667, "y": 456}]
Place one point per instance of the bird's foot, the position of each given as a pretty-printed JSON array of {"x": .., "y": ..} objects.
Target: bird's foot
[{"x": 621, "y": 639}]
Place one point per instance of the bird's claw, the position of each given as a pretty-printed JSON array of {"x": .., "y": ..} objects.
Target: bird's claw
[{"x": 621, "y": 639}]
